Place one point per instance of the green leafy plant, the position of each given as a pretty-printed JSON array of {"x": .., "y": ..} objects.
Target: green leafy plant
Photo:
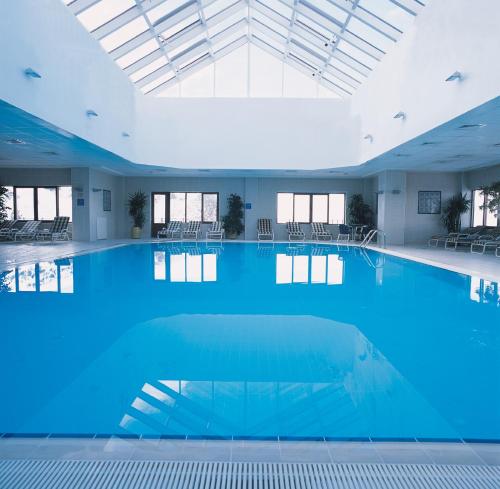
[
  {"x": 358, "y": 211},
  {"x": 3, "y": 204},
  {"x": 136, "y": 203},
  {"x": 453, "y": 209},
  {"x": 233, "y": 221},
  {"x": 493, "y": 197}
]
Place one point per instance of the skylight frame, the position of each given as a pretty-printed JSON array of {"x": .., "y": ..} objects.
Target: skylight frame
[{"x": 316, "y": 31}]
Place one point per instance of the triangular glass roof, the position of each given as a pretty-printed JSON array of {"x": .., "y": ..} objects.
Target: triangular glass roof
[{"x": 159, "y": 43}]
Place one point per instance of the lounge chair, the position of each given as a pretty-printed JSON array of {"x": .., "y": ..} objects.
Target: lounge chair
[
  {"x": 344, "y": 233},
  {"x": 173, "y": 230},
  {"x": 464, "y": 239},
  {"x": 319, "y": 232},
  {"x": 192, "y": 230},
  {"x": 438, "y": 238},
  {"x": 264, "y": 230},
  {"x": 216, "y": 231},
  {"x": 28, "y": 231},
  {"x": 295, "y": 233},
  {"x": 480, "y": 246},
  {"x": 57, "y": 231},
  {"x": 6, "y": 228}
]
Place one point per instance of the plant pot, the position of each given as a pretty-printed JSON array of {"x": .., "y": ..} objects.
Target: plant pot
[
  {"x": 231, "y": 235},
  {"x": 136, "y": 232}
]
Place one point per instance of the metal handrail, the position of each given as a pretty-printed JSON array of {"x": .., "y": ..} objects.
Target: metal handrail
[{"x": 369, "y": 237}]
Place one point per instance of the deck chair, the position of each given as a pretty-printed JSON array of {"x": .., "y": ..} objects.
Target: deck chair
[
  {"x": 480, "y": 246},
  {"x": 319, "y": 232},
  {"x": 216, "y": 231},
  {"x": 192, "y": 230},
  {"x": 264, "y": 230},
  {"x": 57, "y": 231},
  {"x": 173, "y": 230},
  {"x": 28, "y": 231},
  {"x": 344, "y": 233},
  {"x": 7, "y": 227},
  {"x": 464, "y": 239},
  {"x": 438, "y": 238},
  {"x": 295, "y": 232}
]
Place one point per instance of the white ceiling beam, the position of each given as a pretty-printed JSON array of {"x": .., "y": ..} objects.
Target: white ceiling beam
[
  {"x": 413, "y": 7},
  {"x": 79, "y": 6}
]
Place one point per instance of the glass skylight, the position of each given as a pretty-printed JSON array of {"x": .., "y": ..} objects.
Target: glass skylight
[{"x": 161, "y": 43}]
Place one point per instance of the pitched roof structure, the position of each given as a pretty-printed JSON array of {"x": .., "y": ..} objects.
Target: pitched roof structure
[{"x": 159, "y": 43}]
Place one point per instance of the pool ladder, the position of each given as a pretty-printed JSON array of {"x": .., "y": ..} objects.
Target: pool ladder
[{"x": 369, "y": 237}]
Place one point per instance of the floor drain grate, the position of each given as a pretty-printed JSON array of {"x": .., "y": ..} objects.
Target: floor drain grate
[{"x": 56, "y": 474}]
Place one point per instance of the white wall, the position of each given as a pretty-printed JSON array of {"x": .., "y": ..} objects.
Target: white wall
[
  {"x": 448, "y": 35},
  {"x": 419, "y": 227},
  {"x": 247, "y": 133}
]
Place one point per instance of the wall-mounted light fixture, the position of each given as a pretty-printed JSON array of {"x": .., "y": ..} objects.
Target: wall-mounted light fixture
[
  {"x": 396, "y": 192},
  {"x": 456, "y": 76},
  {"x": 400, "y": 115},
  {"x": 125, "y": 134},
  {"x": 97, "y": 190},
  {"x": 91, "y": 113},
  {"x": 369, "y": 137},
  {"x": 31, "y": 73},
  {"x": 380, "y": 192}
]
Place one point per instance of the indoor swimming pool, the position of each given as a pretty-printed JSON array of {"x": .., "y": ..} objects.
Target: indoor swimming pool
[{"x": 210, "y": 340}]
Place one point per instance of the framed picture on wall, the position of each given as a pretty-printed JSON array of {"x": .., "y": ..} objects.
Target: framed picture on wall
[
  {"x": 106, "y": 200},
  {"x": 429, "y": 202}
]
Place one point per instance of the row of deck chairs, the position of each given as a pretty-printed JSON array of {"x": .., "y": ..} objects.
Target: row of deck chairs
[
  {"x": 190, "y": 230},
  {"x": 478, "y": 240},
  {"x": 20, "y": 230},
  {"x": 295, "y": 233}
]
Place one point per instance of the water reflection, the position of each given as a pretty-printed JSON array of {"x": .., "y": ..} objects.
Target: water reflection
[
  {"x": 484, "y": 291},
  {"x": 317, "y": 268},
  {"x": 45, "y": 276},
  {"x": 191, "y": 266}
]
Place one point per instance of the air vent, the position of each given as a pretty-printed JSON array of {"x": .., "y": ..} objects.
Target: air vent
[{"x": 429, "y": 143}]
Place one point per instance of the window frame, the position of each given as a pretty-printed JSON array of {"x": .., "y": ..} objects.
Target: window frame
[
  {"x": 186, "y": 202},
  {"x": 35, "y": 198},
  {"x": 484, "y": 211},
  {"x": 311, "y": 207}
]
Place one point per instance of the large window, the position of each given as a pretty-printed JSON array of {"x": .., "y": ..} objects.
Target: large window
[
  {"x": 482, "y": 217},
  {"x": 39, "y": 203},
  {"x": 194, "y": 206},
  {"x": 307, "y": 208}
]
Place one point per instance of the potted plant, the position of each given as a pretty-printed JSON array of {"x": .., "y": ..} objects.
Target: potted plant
[
  {"x": 453, "y": 209},
  {"x": 136, "y": 203},
  {"x": 359, "y": 212},
  {"x": 493, "y": 198},
  {"x": 233, "y": 224},
  {"x": 3, "y": 204}
]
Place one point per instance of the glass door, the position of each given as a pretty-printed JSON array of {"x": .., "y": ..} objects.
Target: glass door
[{"x": 159, "y": 212}]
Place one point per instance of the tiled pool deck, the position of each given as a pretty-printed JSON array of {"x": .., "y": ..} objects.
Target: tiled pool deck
[{"x": 270, "y": 451}]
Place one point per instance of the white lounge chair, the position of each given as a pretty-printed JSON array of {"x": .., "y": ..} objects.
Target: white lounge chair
[
  {"x": 319, "y": 232},
  {"x": 57, "y": 231},
  {"x": 216, "y": 231},
  {"x": 172, "y": 231},
  {"x": 295, "y": 232},
  {"x": 192, "y": 230},
  {"x": 481, "y": 245},
  {"x": 264, "y": 230},
  {"x": 7, "y": 227},
  {"x": 28, "y": 231}
]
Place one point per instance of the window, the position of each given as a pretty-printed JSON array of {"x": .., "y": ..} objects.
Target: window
[
  {"x": 9, "y": 202},
  {"x": 25, "y": 203},
  {"x": 159, "y": 216},
  {"x": 47, "y": 203},
  {"x": 482, "y": 217},
  {"x": 40, "y": 203},
  {"x": 194, "y": 206},
  {"x": 306, "y": 208}
]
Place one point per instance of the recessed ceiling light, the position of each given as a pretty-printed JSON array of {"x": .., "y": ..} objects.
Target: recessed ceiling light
[
  {"x": 290, "y": 171},
  {"x": 52, "y": 153},
  {"x": 428, "y": 143},
  {"x": 204, "y": 170},
  {"x": 15, "y": 141},
  {"x": 401, "y": 155},
  {"x": 469, "y": 126},
  {"x": 496, "y": 144}
]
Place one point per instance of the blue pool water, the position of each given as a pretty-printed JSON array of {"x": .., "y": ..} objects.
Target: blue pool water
[{"x": 249, "y": 341}]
